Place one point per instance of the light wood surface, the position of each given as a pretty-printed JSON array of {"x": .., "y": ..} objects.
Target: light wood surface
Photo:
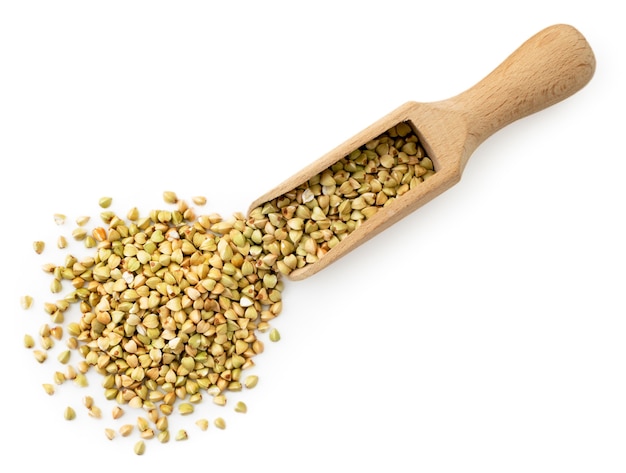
[{"x": 547, "y": 68}]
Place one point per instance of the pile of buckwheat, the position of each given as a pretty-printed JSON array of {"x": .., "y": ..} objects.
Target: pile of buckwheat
[{"x": 171, "y": 304}]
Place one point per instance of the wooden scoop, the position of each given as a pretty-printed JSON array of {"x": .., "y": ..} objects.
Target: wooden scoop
[{"x": 549, "y": 67}]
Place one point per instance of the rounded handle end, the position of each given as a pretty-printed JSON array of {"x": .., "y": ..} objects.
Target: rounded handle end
[{"x": 549, "y": 67}]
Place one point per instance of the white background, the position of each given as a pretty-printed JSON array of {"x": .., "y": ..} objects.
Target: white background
[{"x": 485, "y": 332}]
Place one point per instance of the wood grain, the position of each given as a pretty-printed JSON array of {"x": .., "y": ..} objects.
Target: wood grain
[{"x": 549, "y": 67}]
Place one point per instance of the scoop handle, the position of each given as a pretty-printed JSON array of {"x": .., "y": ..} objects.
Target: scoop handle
[{"x": 547, "y": 68}]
